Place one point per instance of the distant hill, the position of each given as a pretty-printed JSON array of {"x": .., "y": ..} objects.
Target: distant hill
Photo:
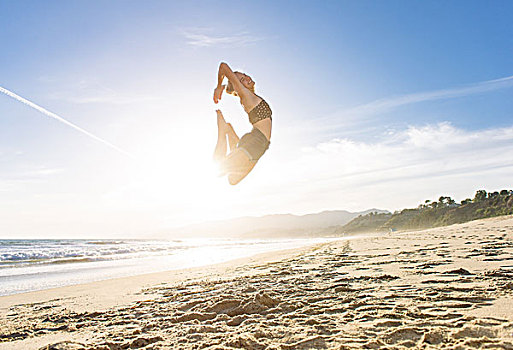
[
  {"x": 277, "y": 225},
  {"x": 443, "y": 212},
  {"x": 371, "y": 222}
]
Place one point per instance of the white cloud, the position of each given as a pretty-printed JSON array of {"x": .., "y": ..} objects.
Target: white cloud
[
  {"x": 6, "y": 186},
  {"x": 91, "y": 90},
  {"x": 41, "y": 172},
  {"x": 114, "y": 99},
  {"x": 445, "y": 136},
  {"x": 198, "y": 39},
  {"x": 17, "y": 180},
  {"x": 422, "y": 145},
  {"x": 415, "y": 163}
]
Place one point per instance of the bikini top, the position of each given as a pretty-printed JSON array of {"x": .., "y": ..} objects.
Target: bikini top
[{"x": 260, "y": 112}]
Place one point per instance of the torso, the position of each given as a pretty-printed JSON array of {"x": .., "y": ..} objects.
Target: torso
[
  {"x": 251, "y": 101},
  {"x": 265, "y": 127}
]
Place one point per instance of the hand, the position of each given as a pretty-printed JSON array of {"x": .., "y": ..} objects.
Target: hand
[{"x": 218, "y": 91}]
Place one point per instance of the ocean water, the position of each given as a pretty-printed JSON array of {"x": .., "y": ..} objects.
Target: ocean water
[{"x": 29, "y": 265}]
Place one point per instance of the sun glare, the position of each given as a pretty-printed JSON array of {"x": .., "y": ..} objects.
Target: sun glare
[{"x": 178, "y": 175}]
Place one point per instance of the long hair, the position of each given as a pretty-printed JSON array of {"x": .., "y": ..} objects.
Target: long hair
[{"x": 230, "y": 90}]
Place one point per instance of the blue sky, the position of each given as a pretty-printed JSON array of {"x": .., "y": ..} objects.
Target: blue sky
[{"x": 376, "y": 104}]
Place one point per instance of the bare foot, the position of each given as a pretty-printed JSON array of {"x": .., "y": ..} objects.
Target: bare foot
[{"x": 221, "y": 123}]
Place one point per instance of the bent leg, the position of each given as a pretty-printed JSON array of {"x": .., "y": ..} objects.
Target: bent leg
[
  {"x": 237, "y": 166},
  {"x": 233, "y": 139},
  {"x": 220, "y": 150},
  {"x": 234, "y": 179}
]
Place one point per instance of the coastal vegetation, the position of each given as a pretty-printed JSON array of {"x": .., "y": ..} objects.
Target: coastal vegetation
[{"x": 441, "y": 212}]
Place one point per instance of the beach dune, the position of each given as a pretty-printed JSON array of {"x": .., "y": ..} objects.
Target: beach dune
[{"x": 449, "y": 287}]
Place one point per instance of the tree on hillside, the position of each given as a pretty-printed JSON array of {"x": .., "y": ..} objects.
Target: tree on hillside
[
  {"x": 445, "y": 201},
  {"x": 480, "y": 196},
  {"x": 424, "y": 205}
]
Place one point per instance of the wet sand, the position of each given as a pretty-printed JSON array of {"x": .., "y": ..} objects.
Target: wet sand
[{"x": 443, "y": 288}]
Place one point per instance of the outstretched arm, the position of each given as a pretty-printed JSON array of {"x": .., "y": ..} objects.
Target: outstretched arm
[{"x": 226, "y": 71}]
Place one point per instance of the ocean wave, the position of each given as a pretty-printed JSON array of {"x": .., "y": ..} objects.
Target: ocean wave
[
  {"x": 35, "y": 251},
  {"x": 35, "y": 255},
  {"x": 23, "y": 263},
  {"x": 105, "y": 242},
  {"x": 27, "y": 252}
]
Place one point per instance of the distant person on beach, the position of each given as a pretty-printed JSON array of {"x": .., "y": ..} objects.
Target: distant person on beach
[{"x": 247, "y": 150}]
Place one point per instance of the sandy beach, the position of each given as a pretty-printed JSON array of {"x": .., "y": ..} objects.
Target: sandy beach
[{"x": 443, "y": 288}]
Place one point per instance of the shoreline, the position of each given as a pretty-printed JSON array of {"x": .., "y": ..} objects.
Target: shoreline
[
  {"x": 449, "y": 287},
  {"x": 65, "y": 263},
  {"x": 127, "y": 288}
]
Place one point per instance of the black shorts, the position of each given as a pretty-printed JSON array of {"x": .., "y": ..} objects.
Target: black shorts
[{"x": 254, "y": 144}]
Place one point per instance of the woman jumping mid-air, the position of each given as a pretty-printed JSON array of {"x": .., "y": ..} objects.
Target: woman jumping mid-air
[{"x": 246, "y": 151}]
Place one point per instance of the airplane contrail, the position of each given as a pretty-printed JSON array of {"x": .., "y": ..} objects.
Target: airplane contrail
[{"x": 55, "y": 116}]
